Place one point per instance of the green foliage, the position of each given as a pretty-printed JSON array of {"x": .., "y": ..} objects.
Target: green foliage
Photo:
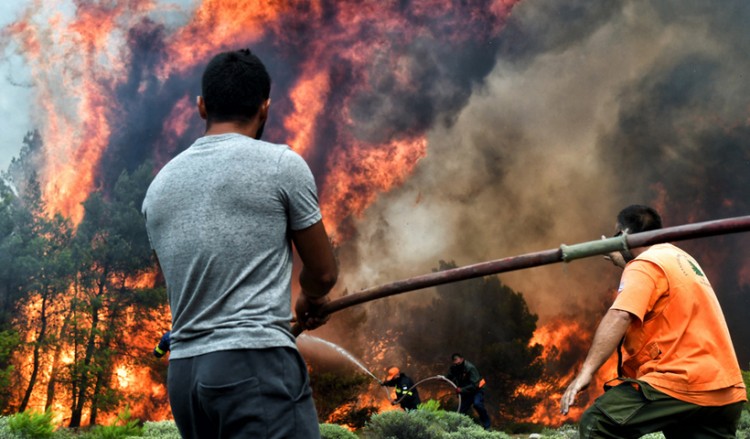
[
  {"x": 5, "y": 432},
  {"x": 31, "y": 424},
  {"x": 567, "y": 431},
  {"x": 335, "y": 431},
  {"x": 425, "y": 424},
  {"x": 121, "y": 427},
  {"x": 474, "y": 433},
  {"x": 430, "y": 405},
  {"x": 9, "y": 342},
  {"x": 746, "y": 379},
  {"x": 161, "y": 430},
  {"x": 523, "y": 427},
  {"x": 743, "y": 427}
]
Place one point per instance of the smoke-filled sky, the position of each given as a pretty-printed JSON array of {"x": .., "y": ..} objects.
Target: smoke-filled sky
[{"x": 466, "y": 132}]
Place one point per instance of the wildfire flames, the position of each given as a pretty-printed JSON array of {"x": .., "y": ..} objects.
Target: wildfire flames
[
  {"x": 560, "y": 337},
  {"x": 96, "y": 50},
  {"x": 422, "y": 124}
]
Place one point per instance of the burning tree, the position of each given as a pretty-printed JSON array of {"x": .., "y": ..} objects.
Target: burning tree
[
  {"x": 113, "y": 251},
  {"x": 73, "y": 293}
]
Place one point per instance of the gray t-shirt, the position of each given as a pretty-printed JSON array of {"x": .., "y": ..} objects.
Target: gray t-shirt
[{"x": 218, "y": 216}]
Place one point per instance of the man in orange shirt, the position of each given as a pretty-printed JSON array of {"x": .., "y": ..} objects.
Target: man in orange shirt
[{"x": 678, "y": 370}]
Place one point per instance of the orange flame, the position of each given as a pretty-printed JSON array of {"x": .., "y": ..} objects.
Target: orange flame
[
  {"x": 559, "y": 337},
  {"x": 358, "y": 173},
  {"x": 222, "y": 23},
  {"x": 308, "y": 101},
  {"x": 75, "y": 88}
]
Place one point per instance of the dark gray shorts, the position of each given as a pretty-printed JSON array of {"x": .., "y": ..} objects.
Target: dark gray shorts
[{"x": 259, "y": 394}]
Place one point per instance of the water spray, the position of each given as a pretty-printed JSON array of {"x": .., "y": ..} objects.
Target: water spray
[
  {"x": 354, "y": 360},
  {"x": 565, "y": 253},
  {"x": 346, "y": 355}
]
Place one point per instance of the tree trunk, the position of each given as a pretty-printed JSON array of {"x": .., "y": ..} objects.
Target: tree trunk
[
  {"x": 56, "y": 362},
  {"x": 104, "y": 375},
  {"x": 36, "y": 362},
  {"x": 83, "y": 379}
]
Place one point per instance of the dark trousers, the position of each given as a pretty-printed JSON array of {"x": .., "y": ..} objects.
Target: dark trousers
[
  {"x": 409, "y": 402},
  {"x": 627, "y": 411},
  {"x": 477, "y": 400},
  {"x": 259, "y": 394}
]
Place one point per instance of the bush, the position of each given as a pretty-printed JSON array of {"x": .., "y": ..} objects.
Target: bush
[
  {"x": 744, "y": 423},
  {"x": 161, "y": 430},
  {"x": 30, "y": 424},
  {"x": 4, "y": 429},
  {"x": 425, "y": 424},
  {"x": 121, "y": 428},
  {"x": 567, "y": 431},
  {"x": 335, "y": 431}
]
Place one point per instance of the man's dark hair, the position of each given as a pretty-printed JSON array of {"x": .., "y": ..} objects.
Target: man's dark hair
[
  {"x": 234, "y": 85},
  {"x": 637, "y": 218},
  {"x": 456, "y": 355}
]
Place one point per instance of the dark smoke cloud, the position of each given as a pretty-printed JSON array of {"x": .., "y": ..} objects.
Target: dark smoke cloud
[{"x": 143, "y": 104}]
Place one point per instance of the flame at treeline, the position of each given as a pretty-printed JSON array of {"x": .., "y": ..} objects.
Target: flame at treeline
[{"x": 435, "y": 129}]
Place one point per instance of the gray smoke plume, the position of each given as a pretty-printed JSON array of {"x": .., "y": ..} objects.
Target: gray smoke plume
[{"x": 591, "y": 106}]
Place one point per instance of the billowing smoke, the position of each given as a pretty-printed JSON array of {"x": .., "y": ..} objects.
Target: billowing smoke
[{"x": 590, "y": 107}]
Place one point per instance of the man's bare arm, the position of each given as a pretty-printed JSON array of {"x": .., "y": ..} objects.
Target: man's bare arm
[
  {"x": 608, "y": 335},
  {"x": 319, "y": 274},
  {"x": 319, "y": 268}
]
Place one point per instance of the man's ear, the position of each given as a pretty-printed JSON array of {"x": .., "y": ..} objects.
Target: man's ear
[
  {"x": 263, "y": 111},
  {"x": 201, "y": 107}
]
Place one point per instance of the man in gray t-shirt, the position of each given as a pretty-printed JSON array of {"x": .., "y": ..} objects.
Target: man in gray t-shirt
[{"x": 222, "y": 217}]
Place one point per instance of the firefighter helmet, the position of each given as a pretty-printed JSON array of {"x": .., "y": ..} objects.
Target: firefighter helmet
[{"x": 392, "y": 373}]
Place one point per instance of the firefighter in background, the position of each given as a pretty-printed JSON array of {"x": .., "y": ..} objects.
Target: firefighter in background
[
  {"x": 163, "y": 347},
  {"x": 406, "y": 393},
  {"x": 470, "y": 385}
]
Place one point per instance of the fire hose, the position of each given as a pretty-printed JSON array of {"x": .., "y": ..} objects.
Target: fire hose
[
  {"x": 436, "y": 377},
  {"x": 565, "y": 253}
]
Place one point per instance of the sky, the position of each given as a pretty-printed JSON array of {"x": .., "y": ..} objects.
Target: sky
[{"x": 14, "y": 91}]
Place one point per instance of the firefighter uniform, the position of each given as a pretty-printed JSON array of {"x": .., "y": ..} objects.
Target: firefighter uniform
[
  {"x": 470, "y": 385},
  {"x": 406, "y": 393}
]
